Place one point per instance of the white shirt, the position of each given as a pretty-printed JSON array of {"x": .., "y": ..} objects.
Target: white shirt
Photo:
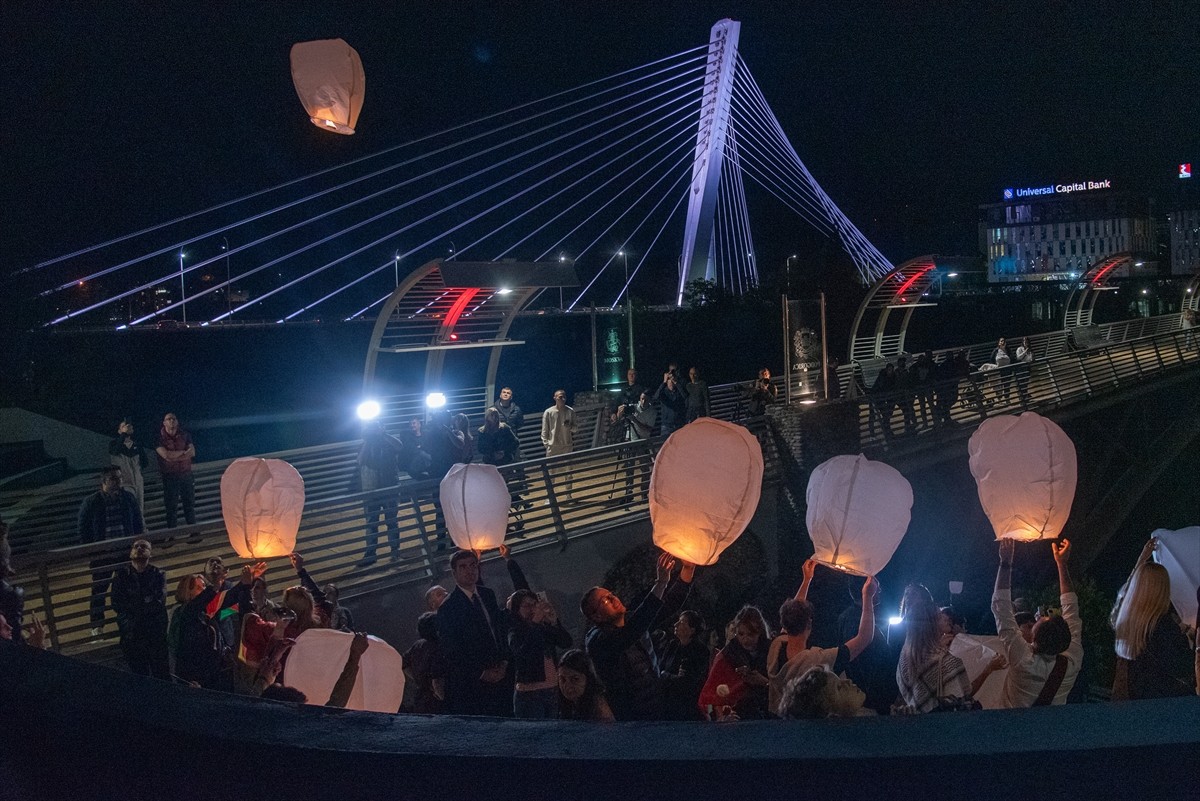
[
  {"x": 1027, "y": 671},
  {"x": 557, "y": 428}
]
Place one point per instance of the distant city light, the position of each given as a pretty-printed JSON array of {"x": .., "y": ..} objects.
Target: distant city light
[
  {"x": 435, "y": 400},
  {"x": 952, "y": 275},
  {"x": 504, "y": 291},
  {"x": 1145, "y": 291},
  {"x": 368, "y": 410}
]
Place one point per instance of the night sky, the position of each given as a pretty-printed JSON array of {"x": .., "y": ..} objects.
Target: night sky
[{"x": 909, "y": 114}]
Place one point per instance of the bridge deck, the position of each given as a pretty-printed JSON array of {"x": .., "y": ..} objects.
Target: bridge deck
[{"x": 58, "y": 580}]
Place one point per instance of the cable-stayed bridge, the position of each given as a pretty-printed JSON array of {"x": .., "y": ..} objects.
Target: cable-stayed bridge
[{"x": 645, "y": 175}]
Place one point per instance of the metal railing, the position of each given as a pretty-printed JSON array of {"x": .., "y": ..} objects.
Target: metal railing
[
  {"x": 555, "y": 499},
  {"x": 906, "y": 417}
]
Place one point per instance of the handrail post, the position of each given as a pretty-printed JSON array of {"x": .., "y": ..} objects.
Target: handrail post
[
  {"x": 423, "y": 533},
  {"x": 552, "y": 497},
  {"x": 48, "y": 604}
]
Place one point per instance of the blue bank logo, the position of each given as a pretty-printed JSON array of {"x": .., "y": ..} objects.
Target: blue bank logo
[{"x": 1008, "y": 194}]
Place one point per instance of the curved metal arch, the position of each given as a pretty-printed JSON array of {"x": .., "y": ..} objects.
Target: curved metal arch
[
  {"x": 1191, "y": 294},
  {"x": 1082, "y": 300},
  {"x": 423, "y": 314},
  {"x": 901, "y": 290}
]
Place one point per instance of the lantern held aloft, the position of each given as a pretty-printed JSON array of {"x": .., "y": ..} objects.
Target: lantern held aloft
[
  {"x": 475, "y": 502},
  {"x": 1179, "y": 552},
  {"x": 262, "y": 501},
  {"x": 1025, "y": 470},
  {"x": 704, "y": 488},
  {"x": 318, "y": 657},
  {"x": 329, "y": 78},
  {"x": 858, "y": 511}
]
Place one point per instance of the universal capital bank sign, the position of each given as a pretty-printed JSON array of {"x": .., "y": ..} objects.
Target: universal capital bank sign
[{"x": 1056, "y": 189}]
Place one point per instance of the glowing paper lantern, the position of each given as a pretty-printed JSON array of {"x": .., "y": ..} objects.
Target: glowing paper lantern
[
  {"x": 704, "y": 489},
  {"x": 475, "y": 502},
  {"x": 317, "y": 659},
  {"x": 1025, "y": 471},
  {"x": 1179, "y": 553},
  {"x": 858, "y": 511},
  {"x": 329, "y": 78},
  {"x": 262, "y": 501}
]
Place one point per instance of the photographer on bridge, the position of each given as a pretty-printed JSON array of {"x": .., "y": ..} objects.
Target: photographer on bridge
[{"x": 762, "y": 393}]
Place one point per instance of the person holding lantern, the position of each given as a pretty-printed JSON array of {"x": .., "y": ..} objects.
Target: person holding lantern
[
  {"x": 619, "y": 640},
  {"x": 1042, "y": 672},
  {"x": 1154, "y": 657},
  {"x": 470, "y": 630},
  {"x": 790, "y": 655}
]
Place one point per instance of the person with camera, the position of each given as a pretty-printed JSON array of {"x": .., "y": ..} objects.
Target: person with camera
[
  {"x": 635, "y": 423},
  {"x": 762, "y": 394}
]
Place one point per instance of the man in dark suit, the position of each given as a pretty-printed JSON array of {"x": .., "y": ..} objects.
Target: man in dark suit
[{"x": 471, "y": 633}]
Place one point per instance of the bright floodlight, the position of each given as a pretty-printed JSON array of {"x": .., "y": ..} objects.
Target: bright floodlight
[
  {"x": 504, "y": 291},
  {"x": 435, "y": 400},
  {"x": 368, "y": 410},
  {"x": 895, "y": 620}
]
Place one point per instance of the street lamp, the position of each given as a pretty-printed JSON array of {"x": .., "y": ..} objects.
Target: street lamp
[
  {"x": 228, "y": 280},
  {"x": 788, "y": 270},
  {"x": 628, "y": 307},
  {"x": 182, "y": 288}
]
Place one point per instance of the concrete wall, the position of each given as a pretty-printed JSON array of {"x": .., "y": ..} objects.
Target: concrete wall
[{"x": 82, "y": 449}]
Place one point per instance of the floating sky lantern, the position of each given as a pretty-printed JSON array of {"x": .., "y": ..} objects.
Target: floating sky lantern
[
  {"x": 475, "y": 502},
  {"x": 704, "y": 489},
  {"x": 318, "y": 657},
  {"x": 858, "y": 511},
  {"x": 262, "y": 501},
  {"x": 329, "y": 78},
  {"x": 1025, "y": 471},
  {"x": 1179, "y": 552}
]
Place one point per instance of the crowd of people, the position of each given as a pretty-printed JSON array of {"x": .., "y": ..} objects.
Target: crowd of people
[
  {"x": 650, "y": 659},
  {"x": 926, "y": 390}
]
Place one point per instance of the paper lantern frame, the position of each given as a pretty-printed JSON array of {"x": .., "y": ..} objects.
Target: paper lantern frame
[
  {"x": 475, "y": 503},
  {"x": 330, "y": 82},
  {"x": 1026, "y": 472},
  {"x": 858, "y": 512},
  {"x": 704, "y": 489},
  {"x": 318, "y": 657},
  {"x": 262, "y": 502}
]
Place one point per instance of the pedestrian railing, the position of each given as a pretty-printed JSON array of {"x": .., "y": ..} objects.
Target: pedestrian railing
[
  {"x": 554, "y": 500},
  {"x": 905, "y": 417}
]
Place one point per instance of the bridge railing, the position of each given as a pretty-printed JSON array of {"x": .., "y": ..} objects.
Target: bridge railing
[
  {"x": 1045, "y": 345},
  {"x": 555, "y": 499},
  {"x": 904, "y": 418}
]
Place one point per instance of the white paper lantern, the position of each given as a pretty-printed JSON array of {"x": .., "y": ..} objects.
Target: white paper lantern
[
  {"x": 858, "y": 511},
  {"x": 475, "y": 502},
  {"x": 1025, "y": 471},
  {"x": 1179, "y": 552},
  {"x": 329, "y": 78},
  {"x": 262, "y": 501},
  {"x": 318, "y": 657},
  {"x": 704, "y": 488}
]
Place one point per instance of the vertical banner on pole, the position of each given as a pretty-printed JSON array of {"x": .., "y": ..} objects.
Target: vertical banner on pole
[
  {"x": 805, "y": 351},
  {"x": 610, "y": 352}
]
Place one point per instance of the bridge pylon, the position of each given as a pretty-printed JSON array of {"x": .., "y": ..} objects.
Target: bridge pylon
[{"x": 697, "y": 259}]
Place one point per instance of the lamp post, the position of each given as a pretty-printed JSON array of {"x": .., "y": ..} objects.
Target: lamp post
[
  {"x": 182, "y": 288},
  {"x": 397, "y": 266},
  {"x": 628, "y": 308},
  {"x": 228, "y": 280},
  {"x": 788, "y": 270}
]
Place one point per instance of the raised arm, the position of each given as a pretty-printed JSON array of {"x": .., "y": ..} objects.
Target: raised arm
[
  {"x": 866, "y": 621},
  {"x": 1062, "y": 551},
  {"x": 1143, "y": 558},
  {"x": 809, "y": 568},
  {"x": 1004, "y": 571}
]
